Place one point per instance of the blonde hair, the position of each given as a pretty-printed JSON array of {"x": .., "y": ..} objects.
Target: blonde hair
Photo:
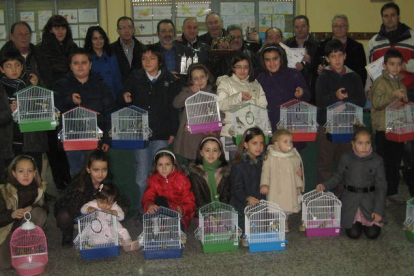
[
  {"x": 12, "y": 168},
  {"x": 280, "y": 132}
]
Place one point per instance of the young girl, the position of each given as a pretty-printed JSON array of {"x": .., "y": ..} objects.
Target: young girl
[
  {"x": 210, "y": 173},
  {"x": 245, "y": 173},
  {"x": 200, "y": 79},
  {"x": 234, "y": 90},
  {"x": 281, "y": 177},
  {"x": 105, "y": 201},
  {"x": 169, "y": 187},
  {"x": 363, "y": 201},
  {"x": 67, "y": 208},
  {"x": 24, "y": 193}
]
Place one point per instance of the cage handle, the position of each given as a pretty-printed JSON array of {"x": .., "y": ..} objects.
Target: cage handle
[{"x": 29, "y": 216}]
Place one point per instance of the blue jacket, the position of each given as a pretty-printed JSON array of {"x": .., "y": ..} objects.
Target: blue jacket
[{"x": 108, "y": 69}]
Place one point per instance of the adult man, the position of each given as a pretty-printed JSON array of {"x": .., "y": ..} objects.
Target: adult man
[
  {"x": 191, "y": 39},
  {"x": 274, "y": 35},
  {"x": 215, "y": 29},
  {"x": 127, "y": 48},
  {"x": 355, "y": 54},
  {"x": 303, "y": 39}
]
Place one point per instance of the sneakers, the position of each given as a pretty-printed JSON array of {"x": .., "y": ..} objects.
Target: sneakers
[
  {"x": 131, "y": 246},
  {"x": 397, "y": 199}
]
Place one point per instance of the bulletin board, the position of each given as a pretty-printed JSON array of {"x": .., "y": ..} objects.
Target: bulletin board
[
  {"x": 277, "y": 14},
  {"x": 3, "y": 27}
]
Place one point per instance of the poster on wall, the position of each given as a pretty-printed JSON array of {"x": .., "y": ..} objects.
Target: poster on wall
[
  {"x": 278, "y": 21},
  {"x": 265, "y": 22},
  {"x": 75, "y": 31},
  {"x": 33, "y": 38},
  {"x": 283, "y": 8},
  {"x": 161, "y": 12},
  {"x": 266, "y": 7},
  {"x": 70, "y": 15},
  {"x": 244, "y": 22},
  {"x": 83, "y": 29},
  {"x": 1, "y": 16},
  {"x": 142, "y": 12},
  {"x": 146, "y": 39},
  {"x": 43, "y": 17},
  {"x": 144, "y": 28},
  {"x": 88, "y": 15},
  {"x": 3, "y": 33},
  {"x": 192, "y": 10},
  {"x": 29, "y": 17}
]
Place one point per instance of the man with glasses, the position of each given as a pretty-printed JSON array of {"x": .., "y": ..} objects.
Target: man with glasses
[
  {"x": 355, "y": 54},
  {"x": 127, "y": 48},
  {"x": 215, "y": 29}
]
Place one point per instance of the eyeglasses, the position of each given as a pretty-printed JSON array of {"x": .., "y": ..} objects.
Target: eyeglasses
[
  {"x": 340, "y": 26},
  {"x": 239, "y": 67},
  {"x": 125, "y": 28}
]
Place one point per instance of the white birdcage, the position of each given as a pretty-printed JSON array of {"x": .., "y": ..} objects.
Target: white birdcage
[
  {"x": 80, "y": 129},
  {"x": 203, "y": 113},
  {"x": 300, "y": 119},
  {"x": 36, "y": 109},
  {"x": 130, "y": 128},
  {"x": 218, "y": 227},
  {"x": 399, "y": 121},
  {"x": 340, "y": 120},
  {"x": 98, "y": 235},
  {"x": 162, "y": 237},
  {"x": 409, "y": 220},
  {"x": 265, "y": 227},
  {"x": 321, "y": 214},
  {"x": 247, "y": 116}
]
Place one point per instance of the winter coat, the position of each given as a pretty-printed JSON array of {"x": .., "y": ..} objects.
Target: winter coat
[
  {"x": 279, "y": 174},
  {"x": 123, "y": 62},
  {"x": 199, "y": 184},
  {"x": 329, "y": 82},
  {"x": 229, "y": 97},
  {"x": 107, "y": 67},
  {"x": 180, "y": 50},
  {"x": 280, "y": 88},
  {"x": 221, "y": 64},
  {"x": 360, "y": 172},
  {"x": 176, "y": 188},
  {"x": 185, "y": 143},
  {"x": 157, "y": 99},
  {"x": 245, "y": 181},
  {"x": 198, "y": 47},
  {"x": 95, "y": 95},
  {"x": 9, "y": 202},
  {"x": 53, "y": 58},
  {"x": 6, "y": 126},
  {"x": 382, "y": 95},
  {"x": 401, "y": 39},
  {"x": 207, "y": 39}
]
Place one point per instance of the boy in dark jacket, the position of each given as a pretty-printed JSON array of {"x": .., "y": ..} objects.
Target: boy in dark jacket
[
  {"x": 153, "y": 89},
  {"x": 336, "y": 83}
]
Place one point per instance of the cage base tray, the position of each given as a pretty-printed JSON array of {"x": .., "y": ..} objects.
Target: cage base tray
[
  {"x": 37, "y": 126},
  {"x": 206, "y": 127},
  {"x": 399, "y": 137},
  {"x": 97, "y": 253},
  {"x": 304, "y": 137},
  {"x": 220, "y": 247},
  {"x": 323, "y": 232},
  {"x": 339, "y": 138},
  {"x": 409, "y": 235},
  {"x": 129, "y": 144},
  {"x": 163, "y": 254},
  {"x": 267, "y": 246},
  {"x": 80, "y": 145}
]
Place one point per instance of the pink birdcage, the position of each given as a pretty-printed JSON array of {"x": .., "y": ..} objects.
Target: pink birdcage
[{"x": 28, "y": 247}]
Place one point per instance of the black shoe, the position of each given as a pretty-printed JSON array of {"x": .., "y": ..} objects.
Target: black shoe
[{"x": 67, "y": 238}]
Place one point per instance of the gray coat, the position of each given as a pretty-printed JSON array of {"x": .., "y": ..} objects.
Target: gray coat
[{"x": 360, "y": 172}]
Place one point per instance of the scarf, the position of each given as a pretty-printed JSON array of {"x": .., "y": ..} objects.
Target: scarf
[
  {"x": 357, "y": 154},
  {"x": 401, "y": 33},
  {"x": 14, "y": 84},
  {"x": 211, "y": 169}
]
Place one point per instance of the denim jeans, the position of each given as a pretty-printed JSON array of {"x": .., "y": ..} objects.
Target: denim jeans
[
  {"x": 76, "y": 159},
  {"x": 143, "y": 159}
]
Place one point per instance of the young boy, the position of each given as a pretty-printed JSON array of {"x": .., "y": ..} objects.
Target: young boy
[
  {"x": 152, "y": 88},
  {"x": 386, "y": 89},
  {"x": 14, "y": 79},
  {"x": 336, "y": 83}
]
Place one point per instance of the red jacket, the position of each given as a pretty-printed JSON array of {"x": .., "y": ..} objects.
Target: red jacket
[{"x": 176, "y": 188}]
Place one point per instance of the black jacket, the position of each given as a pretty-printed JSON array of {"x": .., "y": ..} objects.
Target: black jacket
[
  {"x": 180, "y": 50},
  {"x": 123, "y": 62},
  {"x": 6, "y": 126},
  {"x": 207, "y": 39},
  {"x": 156, "y": 98},
  {"x": 53, "y": 58},
  {"x": 198, "y": 47},
  {"x": 95, "y": 95}
]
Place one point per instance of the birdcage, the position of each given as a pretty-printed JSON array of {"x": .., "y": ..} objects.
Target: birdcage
[
  {"x": 130, "y": 129},
  {"x": 300, "y": 119},
  {"x": 203, "y": 113},
  {"x": 399, "y": 121},
  {"x": 321, "y": 214},
  {"x": 98, "y": 235},
  {"x": 340, "y": 120},
  {"x": 161, "y": 237},
  {"x": 247, "y": 116},
  {"x": 265, "y": 227},
  {"x": 36, "y": 109},
  {"x": 409, "y": 220},
  {"x": 80, "y": 129},
  {"x": 28, "y": 247},
  {"x": 218, "y": 227}
]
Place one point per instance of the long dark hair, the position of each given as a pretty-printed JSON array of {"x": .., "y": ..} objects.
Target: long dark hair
[
  {"x": 83, "y": 179},
  {"x": 88, "y": 40},
  {"x": 199, "y": 66},
  {"x": 275, "y": 47},
  {"x": 57, "y": 21},
  {"x": 222, "y": 157},
  {"x": 248, "y": 135},
  {"x": 240, "y": 57}
]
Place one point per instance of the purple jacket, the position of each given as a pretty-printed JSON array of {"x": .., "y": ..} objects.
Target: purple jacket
[{"x": 280, "y": 88}]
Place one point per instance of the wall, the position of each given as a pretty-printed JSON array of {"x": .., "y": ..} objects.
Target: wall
[{"x": 111, "y": 10}]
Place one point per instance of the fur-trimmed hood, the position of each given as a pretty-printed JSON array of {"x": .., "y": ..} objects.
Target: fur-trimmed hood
[{"x": 220, "y": 173}]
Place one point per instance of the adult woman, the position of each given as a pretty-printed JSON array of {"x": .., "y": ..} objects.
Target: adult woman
[{"x": 103, "y": 61}]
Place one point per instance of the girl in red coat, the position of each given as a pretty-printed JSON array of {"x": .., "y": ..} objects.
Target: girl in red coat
[{"x": 169, "y": 187}]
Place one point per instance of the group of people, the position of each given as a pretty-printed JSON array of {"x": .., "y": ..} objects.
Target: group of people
[{"x": 103, "y": 76}]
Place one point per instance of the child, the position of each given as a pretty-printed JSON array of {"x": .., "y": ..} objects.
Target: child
[
  {"x": 281, "y": 177},
  {"x": 210, "y": 173},
  {"x": 105, "y": 201},
  {"x": 169, "y": 187},
  {"x": 246, "y": 172},
  {"x": 336, "y": 83},
  {"x": 200, "y": 79},
  {"x": 363, "y": 200},
  {"x": 152, "y": 88},
  {"x": 14, "y": 79},
  {"x": 85, "y": 185},
  {"x": 386, "y": 89},
  {"x": 23, "y": 193}
]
